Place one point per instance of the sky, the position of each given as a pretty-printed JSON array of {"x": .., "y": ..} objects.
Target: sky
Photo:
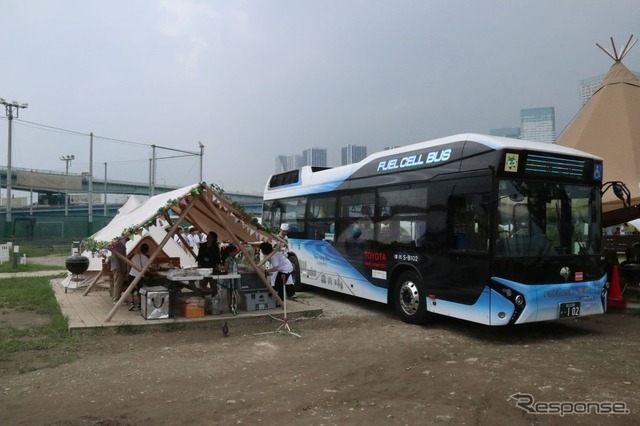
[{"x": 254, "y": 79}]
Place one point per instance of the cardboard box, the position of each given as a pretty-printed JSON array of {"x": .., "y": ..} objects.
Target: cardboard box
[
  {"x": 190, "y": 300},
  {"x": 191, "y": 311},
  {"x": 257, "y": 300},
  {"x": 154, "y": 303}
]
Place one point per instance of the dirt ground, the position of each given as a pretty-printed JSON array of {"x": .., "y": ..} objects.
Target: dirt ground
[{"x": 356, "y": 364}]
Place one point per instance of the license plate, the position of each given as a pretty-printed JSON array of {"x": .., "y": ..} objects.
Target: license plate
[{"x": 569, "y": 310}]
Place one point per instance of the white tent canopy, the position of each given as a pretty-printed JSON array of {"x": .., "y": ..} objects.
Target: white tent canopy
[{"x": 199, "y": 205}]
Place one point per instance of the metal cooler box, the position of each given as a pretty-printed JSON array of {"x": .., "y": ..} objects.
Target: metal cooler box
[
  {"x": 154, "y": 303},
  {"x": 257, "y": 300}
]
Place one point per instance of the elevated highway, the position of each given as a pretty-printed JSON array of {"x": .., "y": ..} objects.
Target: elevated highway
[
  {"x": 50, "y": 182},
  {"x": 56, "y": 183}
]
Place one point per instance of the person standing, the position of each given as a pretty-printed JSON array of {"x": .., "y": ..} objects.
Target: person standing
[
  {"x": 193, "y": 239},
  {"x": 118, "y": 268},
  {"x": 228, "y": 255},
  {"x": 284, "y": 232},
  {"x": 140, "y": 260},
  {"x": 209, "y": 257},
  {"x": 282, "y": 268},
  {"x": 178, "y": 236}
]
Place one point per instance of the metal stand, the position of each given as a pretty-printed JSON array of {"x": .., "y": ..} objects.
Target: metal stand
[
  {"x": 284, "y": 327},
  {"x": 77, "y": 279},
  {"x": 234, "y": 300}
]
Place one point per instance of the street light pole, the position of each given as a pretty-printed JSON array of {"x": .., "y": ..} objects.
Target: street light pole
[
  {"x": 67, "y": 159},
  {"x": 10, "y": 107}
]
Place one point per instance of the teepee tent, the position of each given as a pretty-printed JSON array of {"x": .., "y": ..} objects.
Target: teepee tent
[
  {"x": 608, "y": 125},
  {"x": 130, "y": 205}
]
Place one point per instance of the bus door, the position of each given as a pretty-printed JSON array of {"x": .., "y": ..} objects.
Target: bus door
[{"x": 467, "y": 261}]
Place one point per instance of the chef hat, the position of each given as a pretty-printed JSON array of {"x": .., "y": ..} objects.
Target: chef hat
[{"x": 284, "y": 227}]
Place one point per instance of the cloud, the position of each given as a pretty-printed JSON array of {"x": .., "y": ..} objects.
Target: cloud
[{"x": 187, "y": 20}]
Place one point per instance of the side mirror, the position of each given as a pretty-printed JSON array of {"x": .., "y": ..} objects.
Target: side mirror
[{"x": 620, "y": 190}]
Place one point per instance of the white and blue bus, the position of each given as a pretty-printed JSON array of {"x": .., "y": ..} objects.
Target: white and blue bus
[{"x": 492, "y": 230}]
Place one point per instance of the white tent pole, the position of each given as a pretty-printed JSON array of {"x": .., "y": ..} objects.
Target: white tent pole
[{"x": 151, "y": 259}]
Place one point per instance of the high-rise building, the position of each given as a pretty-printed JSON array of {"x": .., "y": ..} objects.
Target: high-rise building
[
  {"x": 506, "y": 132},
  {"x": 314, "y": 157},
  {"x": 589, "y": 85},
  {"x": 284, "y": 163},
  {"x": 353, "y": 154},
  {"x": 538, "y": 124}
]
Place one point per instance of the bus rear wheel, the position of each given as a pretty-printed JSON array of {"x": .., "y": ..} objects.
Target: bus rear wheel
[{"x": 410, "y": 298}]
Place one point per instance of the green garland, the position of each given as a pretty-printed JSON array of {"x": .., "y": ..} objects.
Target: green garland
[{"x": 92, "y": 245}]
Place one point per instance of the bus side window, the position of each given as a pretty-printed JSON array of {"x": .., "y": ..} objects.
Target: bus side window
[
  {"x": 321, "y": 218},
  {"x": 320, "y": 230}
]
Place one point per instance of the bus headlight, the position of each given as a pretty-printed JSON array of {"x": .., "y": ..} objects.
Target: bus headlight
[{"x": 519, "y": 300}]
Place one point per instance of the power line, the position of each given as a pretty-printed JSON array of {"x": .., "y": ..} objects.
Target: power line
[{"x": 74, "y": 132}]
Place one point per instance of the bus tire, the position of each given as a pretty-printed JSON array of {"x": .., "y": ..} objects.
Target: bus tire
[
  {"x": 296, "y": 273},
  {"x": 410, "y": 298}
]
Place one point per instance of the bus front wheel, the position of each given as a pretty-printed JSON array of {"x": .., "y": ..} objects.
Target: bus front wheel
[{"x": 410, "y": 299}]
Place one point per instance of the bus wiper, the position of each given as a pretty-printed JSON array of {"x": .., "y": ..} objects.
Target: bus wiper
[{"x": 589, "y": 258}]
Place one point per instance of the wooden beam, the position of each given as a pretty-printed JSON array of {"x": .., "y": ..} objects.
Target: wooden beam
[
  {"x": 170, "y": 233},
  {"x": 185, "y": 243},
  {"x": 93, "y": 282}
]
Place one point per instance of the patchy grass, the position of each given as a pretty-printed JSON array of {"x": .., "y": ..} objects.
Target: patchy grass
[
  {"x": 8, "y": 267},
  {"x": 41, "y": 343},
  {"x": 44, "y": 250}
]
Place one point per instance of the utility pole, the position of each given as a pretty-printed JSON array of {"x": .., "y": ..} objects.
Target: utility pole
[
  {"x": 105, "y": 189},
  {"x": 91, "y": 183},
  {"x": 67, "y": 159},
  {"x": 10, "y": 107},
  {"x": 153, "y": 173},
  {"x": 201, "y": 157}
]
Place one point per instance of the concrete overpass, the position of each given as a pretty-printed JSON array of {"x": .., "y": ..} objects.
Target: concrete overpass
[
  {"x": 52, "y": 183},
  {"x": 48, "y": 181}
]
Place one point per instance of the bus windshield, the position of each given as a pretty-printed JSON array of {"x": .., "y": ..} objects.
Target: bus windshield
[{"x": 544, "y": 218}]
